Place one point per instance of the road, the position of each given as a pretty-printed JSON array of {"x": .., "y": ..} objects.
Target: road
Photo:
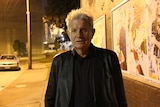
[
  {"x": 27, "y": 88},
  {"x": 7, "y": 77}
]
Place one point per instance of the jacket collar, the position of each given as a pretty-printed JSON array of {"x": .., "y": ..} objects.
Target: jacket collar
[{"x": 91, "y": 50}]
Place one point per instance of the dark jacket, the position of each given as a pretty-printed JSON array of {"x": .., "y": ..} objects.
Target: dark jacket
[{"x": 108, "y": 87}]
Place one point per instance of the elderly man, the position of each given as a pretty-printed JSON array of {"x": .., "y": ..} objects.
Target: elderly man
[{"x": 85, "y": 76}]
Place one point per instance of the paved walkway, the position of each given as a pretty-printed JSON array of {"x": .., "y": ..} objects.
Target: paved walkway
[{"x": 28, "y": 90}]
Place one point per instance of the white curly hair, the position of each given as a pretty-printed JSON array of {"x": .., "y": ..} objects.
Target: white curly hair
[{"x": 79, "y": 14}]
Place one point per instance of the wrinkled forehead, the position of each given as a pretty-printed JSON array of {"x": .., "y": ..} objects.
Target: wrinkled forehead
[{"x": 79, "y": 21}]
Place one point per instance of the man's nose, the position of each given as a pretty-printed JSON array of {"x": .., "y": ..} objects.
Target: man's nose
[{"x": 79, "y": 33}]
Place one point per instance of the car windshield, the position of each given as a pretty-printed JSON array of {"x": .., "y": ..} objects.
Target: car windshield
[{"x": 7, "y": 57}]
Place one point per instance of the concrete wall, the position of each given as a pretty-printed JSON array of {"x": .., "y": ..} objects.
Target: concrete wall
[{"x": 138, "y": 93}]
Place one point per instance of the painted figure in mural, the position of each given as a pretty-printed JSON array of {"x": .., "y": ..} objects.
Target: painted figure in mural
[
  {"x": 85, "y": 76},
  {"x": 136, "y": 58},
  {"x": 136, "y": 49},
  {"x": 119, "y": 51},
  {"x": 157, "y": 38},
  {"x": 122, "y": 47},
  {"x": 155, "y": 59},
  {"x": 138, "y": 33},
  {"x": 155, "y": 45}
]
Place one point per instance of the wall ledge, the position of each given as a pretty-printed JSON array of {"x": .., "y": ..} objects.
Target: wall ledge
[{"x": 142, "y": 79}]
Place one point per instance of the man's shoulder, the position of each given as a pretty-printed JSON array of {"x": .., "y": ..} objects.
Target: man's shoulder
[
  {"x": 105, "y": 51},
  {"x": 63, "y": 55}
]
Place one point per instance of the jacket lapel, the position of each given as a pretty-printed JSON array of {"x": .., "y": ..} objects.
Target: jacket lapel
[{"x": 65, "y": 82}]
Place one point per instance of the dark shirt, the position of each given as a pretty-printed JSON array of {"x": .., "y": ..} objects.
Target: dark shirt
[{"x": 82, "y": 94}]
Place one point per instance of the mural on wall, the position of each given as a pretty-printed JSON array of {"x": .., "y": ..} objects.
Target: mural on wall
[
  {"x": 136, "y": 35},
  {"x": 89, "y": 2},
  {"x": 99, "y": 38},
  {"x": 96, "y": 6}
]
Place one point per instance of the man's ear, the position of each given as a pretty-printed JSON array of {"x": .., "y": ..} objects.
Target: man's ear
[
  {"x": 93, "y": 31},
  {"x": 67, "y": 32}
]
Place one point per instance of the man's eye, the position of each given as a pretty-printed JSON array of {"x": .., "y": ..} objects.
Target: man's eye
[
  {"x": 73, "y": 30},
  {"x": 83, "y": 30}
]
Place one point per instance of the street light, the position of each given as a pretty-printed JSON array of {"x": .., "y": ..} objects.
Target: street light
[{"x": 29, "y": 36}]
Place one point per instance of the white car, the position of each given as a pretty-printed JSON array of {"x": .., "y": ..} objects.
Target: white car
[{"x": 9, "y": 62}]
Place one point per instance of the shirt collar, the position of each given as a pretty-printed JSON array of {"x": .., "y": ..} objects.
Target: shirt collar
[{"x": 90, "y": 52}]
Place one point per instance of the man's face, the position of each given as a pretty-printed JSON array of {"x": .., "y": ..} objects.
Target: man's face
[{"x": 80, "y": 34}]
